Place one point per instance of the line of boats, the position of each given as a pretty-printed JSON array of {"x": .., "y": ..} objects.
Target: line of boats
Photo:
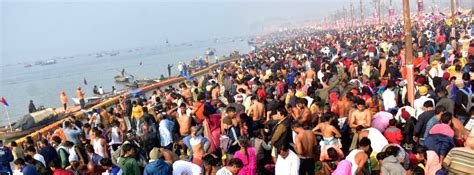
[{"x": 41, "y": 63}]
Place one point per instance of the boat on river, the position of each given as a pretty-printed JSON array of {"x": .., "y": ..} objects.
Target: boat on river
[{"x": 121, "y": 79}]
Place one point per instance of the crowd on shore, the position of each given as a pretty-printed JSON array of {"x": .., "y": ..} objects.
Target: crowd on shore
[{"x": 322, "y": 102}]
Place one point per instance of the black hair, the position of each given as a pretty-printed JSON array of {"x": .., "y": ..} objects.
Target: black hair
[
  {"x": 325, "y": 117},
  {"x": 332, "y": 153},
  {"x": 428, "y": 104},
  {"x": 282, "y": 110},
  {"x": 392, "y": 122},
  {"x": 446, "y": 117},
  {"x": 236, "y": 162},
  {"x": 31, "y": 149},
  {"x": 364, "y": 142},
  {"x": 230, "y": 109},
  {"x": 284, "y": 147},
  {"x": 392, "y": 150},
  {"x": 19, "y": 161},
  {"x": 381, "y": 155},
  {"x": 89, "y": 149},
  {"x": 106, "y": 162},
  {"x": 28, "y": 158},
  {"x": 13, "y": 143},
  {"x": 68, "y": 144},
  {"x": 127, "y": 147},
  {"x": 56, "y": 139},
  {"x": 420, "y": 149},
  {"x": 302, "y": 100},
  {"x": 440, "y": 109}
]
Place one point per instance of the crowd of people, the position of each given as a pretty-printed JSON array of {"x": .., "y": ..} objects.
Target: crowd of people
[{"x": 309, "y": 102}]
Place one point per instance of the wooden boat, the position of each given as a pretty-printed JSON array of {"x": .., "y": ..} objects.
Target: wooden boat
[
  {"x": 114, "y": 100},
  {"x": 121, "y": 79},
  {"x": 17, "y": 134},
  {"x": 31, "y": 122},
  {"x": 90, "y": 101}
]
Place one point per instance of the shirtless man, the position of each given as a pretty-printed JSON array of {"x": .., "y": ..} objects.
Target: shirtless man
[
  {"x": 305, "y": 146},
  {"x": 329, "y": 132},
  {"x": 302, "y": 113},
  {"x": 310, "y": 75},
  {"x": 216, "y": 92},
  {"x": 358, "y": 157},
  {"x": 359, "y": 117},
  {"x": 185, "y": 91},
  {"x": 256, "y": 111},
  {"x": 184, "y": 120},
  {"x": 344, "y": 105}
]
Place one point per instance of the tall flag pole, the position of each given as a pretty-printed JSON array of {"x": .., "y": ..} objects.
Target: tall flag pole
[{"x": 5, "y": 104}]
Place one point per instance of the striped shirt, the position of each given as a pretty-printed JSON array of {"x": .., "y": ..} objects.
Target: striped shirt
[{"x": 459, "y": 161}]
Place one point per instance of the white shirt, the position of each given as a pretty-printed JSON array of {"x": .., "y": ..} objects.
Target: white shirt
[
  {"x": 40, "y": 158},
  {"x": 418, "y": 104},
  {"x": 378, "y": 140},
  {"x": 389, "y": 99},
  {"x": 182, "y": 167},
  {"x": 287, "y": 166},
  {"x": 223, "y": 171}
]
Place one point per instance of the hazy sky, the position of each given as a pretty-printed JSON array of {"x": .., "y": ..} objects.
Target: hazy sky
[{"x": 37, "y": 29}]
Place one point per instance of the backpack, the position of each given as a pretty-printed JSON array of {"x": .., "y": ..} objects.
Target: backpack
[{"x": 469, "y": 99}]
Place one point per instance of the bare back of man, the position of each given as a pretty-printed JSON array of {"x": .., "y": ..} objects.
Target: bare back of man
[
  {"x": 305, "y": 142},
  {"x": 343, "y": 107},
  {"x": 257, "y": 111},
  {"x": 326, "y": 130},
  {"x": 310, "y": 75}
]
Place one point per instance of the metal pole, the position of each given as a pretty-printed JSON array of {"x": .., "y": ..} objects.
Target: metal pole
[
  {"x": 379, "y": 14},
  {"x": 352, "y": 15},
  {"x": 9, "y": 120},
  {"x": 408, "y": 51},
  {"x": 361, "y": 13},
  {"x": 453, "y": 13}
]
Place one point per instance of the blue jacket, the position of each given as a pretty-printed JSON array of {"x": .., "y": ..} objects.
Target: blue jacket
[
  {"x": 441, "y": 144},
  {"x": 29, "y": 170},
  {"x": 158, "y": 167},
  {"x": 6, "y": 157}
]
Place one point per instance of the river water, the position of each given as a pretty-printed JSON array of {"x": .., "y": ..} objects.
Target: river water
[{"x": 43, "y": 84}]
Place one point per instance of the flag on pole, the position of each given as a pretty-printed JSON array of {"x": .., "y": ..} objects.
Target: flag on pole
[
  {"x": 85, "y": 81},
  {"x": 4, "y": 101}
]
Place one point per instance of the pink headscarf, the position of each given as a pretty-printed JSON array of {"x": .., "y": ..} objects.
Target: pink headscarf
[
  {"x": 343, "y": 168},
  {"x": 432, "y": 163}
]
